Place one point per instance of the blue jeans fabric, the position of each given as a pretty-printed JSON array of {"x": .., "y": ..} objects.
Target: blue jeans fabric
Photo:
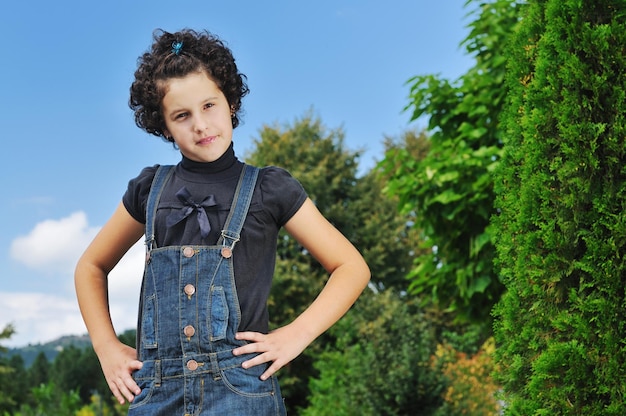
[{"x": 189, "y": 314}]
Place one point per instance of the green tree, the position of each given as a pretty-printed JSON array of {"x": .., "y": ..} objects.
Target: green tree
[
  {"x": 561, "y": 242},
  {"x": 129, "y": 337},
  {"x": 7, "y": 401},
  {"x": 388, "y": 237},
  {"x": 49, "y": 400},
  {"x": 39, "y": 371},
  {"x": 76, "y": 369},
  {"x": 450, "y": 190},
  {"x": 18, "y": 385},
  {"x": 66, "y": 373},
  {"x": 318, "y": 158},
  {"x": 7, "y": 332},
  {"x": 381, "y": 364}
]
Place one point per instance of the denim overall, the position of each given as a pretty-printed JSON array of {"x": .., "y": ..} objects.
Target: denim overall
[{"x": 189, "y": 314}]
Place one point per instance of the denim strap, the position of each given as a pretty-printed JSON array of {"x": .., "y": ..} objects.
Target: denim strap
[
  {"x": 239, "y": 208},
  {"x": 161, "y": 176}
]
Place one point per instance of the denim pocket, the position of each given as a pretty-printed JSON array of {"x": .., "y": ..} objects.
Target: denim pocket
[
  {"x": 247, "y": 382},
  {"x": 146, "y": 384},
  {"x": 219, "y": 313}
]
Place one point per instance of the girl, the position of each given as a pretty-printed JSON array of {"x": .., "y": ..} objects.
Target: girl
[{"x": 210, "y": 225}]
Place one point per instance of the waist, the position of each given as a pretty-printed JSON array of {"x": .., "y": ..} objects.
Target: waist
[{"x": 190, "y": 364}]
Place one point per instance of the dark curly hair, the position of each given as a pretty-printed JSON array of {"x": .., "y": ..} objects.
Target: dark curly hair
[{"x": 201, "y": 51}]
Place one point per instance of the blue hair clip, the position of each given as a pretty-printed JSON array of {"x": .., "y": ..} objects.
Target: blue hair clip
[{"x": 177, "y": 47}]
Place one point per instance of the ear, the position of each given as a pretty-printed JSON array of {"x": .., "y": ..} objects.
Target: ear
[{"x": 168, "y": 136}]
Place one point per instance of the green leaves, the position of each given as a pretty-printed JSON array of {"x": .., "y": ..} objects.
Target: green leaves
[
  {"x": 382, "y": 363},
  {"x": 450, "y": 189},
  {"x": 561, "y": 194},
  {"x": 317, "y": 157}
]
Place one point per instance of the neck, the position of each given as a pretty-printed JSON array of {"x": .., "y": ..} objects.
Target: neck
[{"x": 222, "y": 163}]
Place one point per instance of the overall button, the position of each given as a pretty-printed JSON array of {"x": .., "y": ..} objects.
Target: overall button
[
  {"x": 192, "y": 365},
  {"x": 189, "y": 289},
  {"x": 188, "y": 252},
  {"x": 189, "y": 331},
  {"x": 227, "y": 252}
]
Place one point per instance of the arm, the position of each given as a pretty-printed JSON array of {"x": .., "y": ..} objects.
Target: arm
[
  {"x": 112, "y": 242},
  {"x": 348, "y": 277}
]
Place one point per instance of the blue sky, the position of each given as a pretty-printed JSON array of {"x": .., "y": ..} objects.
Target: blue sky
[{"x": 69, "y": 142}]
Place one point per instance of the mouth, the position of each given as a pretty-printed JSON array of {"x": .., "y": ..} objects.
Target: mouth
[{"x": 206, "y": 140}]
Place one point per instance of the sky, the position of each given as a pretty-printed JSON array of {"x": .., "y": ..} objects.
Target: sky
[{"x": 70, "y": 145}]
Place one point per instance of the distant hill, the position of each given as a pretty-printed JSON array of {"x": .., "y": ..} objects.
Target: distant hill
[{"x": 50, "y": 349}]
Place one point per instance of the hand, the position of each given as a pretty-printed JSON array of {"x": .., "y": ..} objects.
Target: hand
[
  {"x": 118, "y": 362},
  {"x": 280, "y": 347}
]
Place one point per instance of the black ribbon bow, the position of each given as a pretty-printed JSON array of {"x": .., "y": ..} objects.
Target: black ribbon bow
[{"x": 190, "y": 206}]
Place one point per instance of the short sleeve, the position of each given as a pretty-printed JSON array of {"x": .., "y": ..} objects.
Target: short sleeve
[
  {"x": 136, "y": 194},
  {"x": 282, "y": 194}
]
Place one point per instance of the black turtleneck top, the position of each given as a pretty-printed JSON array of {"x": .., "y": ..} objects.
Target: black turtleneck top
[{"x": 277, "y": 197}]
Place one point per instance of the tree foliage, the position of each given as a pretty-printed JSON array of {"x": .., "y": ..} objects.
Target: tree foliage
[
  {"x": 381, "y": 364},
  {"x": 451, "y": 189},
  {"x": 78, "y": 370},
  {"x": 6, "y": 333},
  {"x": 47, "y": 399},
  {"x": 562, "y": 230},
  {"x": 7, "y": 399},
  {"x": 471, "y": 390},
  {"x": 72, "y": 384},
  {"x": 39, "y": 371},
  {"x": 318, "y": 158}
]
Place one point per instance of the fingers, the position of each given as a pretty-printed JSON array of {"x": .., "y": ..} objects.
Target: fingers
[
  {"x": 268, "y": 348},
  {"x": 118, "y": 362},
  {"x": 263, "y": 358},
  {"x": 271, "y": 370},
  {"x": 121, "y": 391},
  {"x": 250, "y": 336},
  {"x": 123, "y": 386},
  {"x": 257, "y": 343}
]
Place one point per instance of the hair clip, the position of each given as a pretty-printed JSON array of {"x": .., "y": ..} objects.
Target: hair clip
[{"x": 177, "y": 47}]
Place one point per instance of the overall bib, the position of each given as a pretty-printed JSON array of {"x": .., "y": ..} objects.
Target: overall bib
[{"x": 189, "y": 314}]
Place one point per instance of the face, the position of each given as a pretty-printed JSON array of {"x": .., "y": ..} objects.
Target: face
[{"x": 197, "y": 116}]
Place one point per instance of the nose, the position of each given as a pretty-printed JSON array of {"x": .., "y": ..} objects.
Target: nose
[{"x": 199, "y": 124}]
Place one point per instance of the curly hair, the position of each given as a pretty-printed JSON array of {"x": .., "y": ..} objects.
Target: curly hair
[{"x": 201, "y": 51}]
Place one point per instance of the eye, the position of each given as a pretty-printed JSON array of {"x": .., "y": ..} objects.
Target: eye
[
  {"x": 208, "y": 105},
  {"x": 180, "y": 116}
]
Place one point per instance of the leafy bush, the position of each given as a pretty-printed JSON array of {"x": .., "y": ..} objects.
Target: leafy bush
[
  {"x": 383, "y": 363},
  {"x": 561, "y": 240},
  {"x": 472, "y": 390}
]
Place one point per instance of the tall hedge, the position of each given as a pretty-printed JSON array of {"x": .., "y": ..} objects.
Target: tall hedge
[{"x": 561, "y": 232}]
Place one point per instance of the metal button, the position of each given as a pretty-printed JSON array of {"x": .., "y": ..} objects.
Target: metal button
[
  {"x": 189, "y": 331},
  {"x": 189, "y": 289},
  {"x": 227, "y": 252},
  {"x": 192, "y": 365},
  {"x": 188, "y": 251}
]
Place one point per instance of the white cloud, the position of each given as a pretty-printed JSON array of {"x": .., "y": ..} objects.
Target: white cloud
[
  {"x": 124, "y": 288},
  {"x": 39, "y": 317},
  {"x": 54, "y": 245}
]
